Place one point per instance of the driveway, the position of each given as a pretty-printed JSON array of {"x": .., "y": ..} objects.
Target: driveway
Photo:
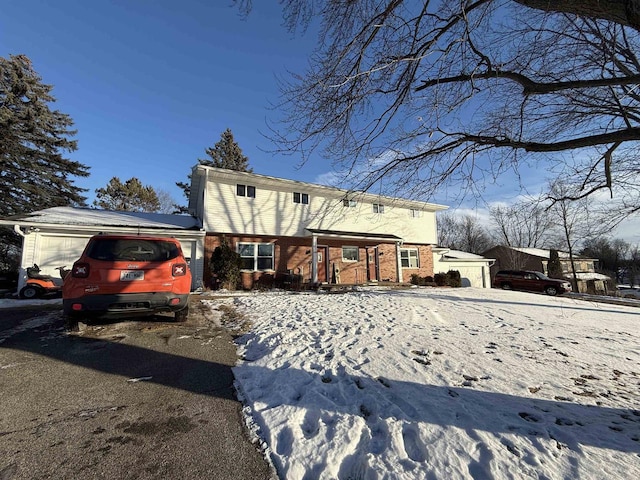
[{"x": 129, "y": 400}]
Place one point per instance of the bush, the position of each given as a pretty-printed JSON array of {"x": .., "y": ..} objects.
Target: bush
[
  {"x": 453, "y": 278},
  {"x": 440, "y": 279},
  {"x": 225, "y": 267}
]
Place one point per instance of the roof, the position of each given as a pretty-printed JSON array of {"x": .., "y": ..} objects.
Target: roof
[
  {"x": 460, "y": 255},
  {"x": 542, "y": 253},
  {"x": 589, "y": 276},
  {"x": 279, "y": 183},
  {"x": 355, "y": 235},
  {"x": 70, "y": 216}
]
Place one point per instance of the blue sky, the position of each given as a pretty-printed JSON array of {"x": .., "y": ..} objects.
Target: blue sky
[{"x": 151, "y": 83}]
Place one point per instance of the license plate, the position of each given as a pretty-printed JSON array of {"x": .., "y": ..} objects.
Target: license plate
[{"x": 130, "y": 275}]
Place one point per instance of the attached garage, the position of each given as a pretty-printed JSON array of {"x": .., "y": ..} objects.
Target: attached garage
[
  {"x": 474, "y": 269},
  {"x": 56, "y": 236}
]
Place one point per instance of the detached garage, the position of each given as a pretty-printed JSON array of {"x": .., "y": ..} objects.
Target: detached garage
[
  {"x": 474, "y": 269},
  {"x": 55, "y": 237}
]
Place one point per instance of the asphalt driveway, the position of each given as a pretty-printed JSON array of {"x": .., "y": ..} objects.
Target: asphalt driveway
[{"x": 140, "y": 399}]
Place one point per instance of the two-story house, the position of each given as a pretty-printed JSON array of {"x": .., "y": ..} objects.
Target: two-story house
[{"x": 319, "y": 233}]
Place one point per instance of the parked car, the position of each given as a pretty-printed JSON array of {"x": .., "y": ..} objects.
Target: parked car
[
  {"x": 127, "y": 275},
  {"x": 626, "y": 291},
  {"x": 531, "y": 281}
]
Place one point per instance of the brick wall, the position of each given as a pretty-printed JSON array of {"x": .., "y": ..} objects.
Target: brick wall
[{"x": 293, "y": 255}]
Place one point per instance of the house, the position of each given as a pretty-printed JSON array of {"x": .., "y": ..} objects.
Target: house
[
  {"x": 474, "y": 269},
  {"x": 316, "y": 233},
  {"x": 511, "y": 258},
  {"x": 56, "y": 236}
]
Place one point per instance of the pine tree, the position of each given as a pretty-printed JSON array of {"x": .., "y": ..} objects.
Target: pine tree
[
  {"x": 130, "y": 196},
  {"x": 226, "y": 153},
  {"x": 34, "y": 172},
  {"x": 554, "y": 268}
]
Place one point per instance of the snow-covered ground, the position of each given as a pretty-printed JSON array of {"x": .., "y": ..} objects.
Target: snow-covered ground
[{"x": 442, "y": 384}]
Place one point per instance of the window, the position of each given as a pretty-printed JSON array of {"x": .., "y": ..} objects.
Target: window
[
  {"x": 409, "y": 258},
  {"x": 350, "y": 254},
  {"x": 301, "y": 198},
  {"x": 378, "y": 208},
  {"x": 348, "y": 202},
  {"x": 246, "y": 191},
  {"x": 256, "y": 256},
  {"x": 415, "y": 213}
]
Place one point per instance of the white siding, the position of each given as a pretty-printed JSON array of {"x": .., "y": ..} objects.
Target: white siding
[{"x": 273, "y": 212}]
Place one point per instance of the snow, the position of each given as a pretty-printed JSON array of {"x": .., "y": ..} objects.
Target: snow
[
  {"x": 90, "y": 216},
  {"x": 441, "y": 383}
]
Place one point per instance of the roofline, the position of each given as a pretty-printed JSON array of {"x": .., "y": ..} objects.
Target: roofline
[
  {"x": 106, "y": 228},
  {"x": 332, "y": 191}
]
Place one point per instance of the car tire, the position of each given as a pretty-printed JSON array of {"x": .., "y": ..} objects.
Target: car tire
[
  {"x": 31, "y": 291},
  {"x": 182, "y": 315},
  {"x": 551, "y": 290},
  {"x": 506, "y": 286},
  {"x": 71, "y": 323}
]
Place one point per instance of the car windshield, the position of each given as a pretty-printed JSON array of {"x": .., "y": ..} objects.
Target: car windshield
[
  {"x": 112, "y": 249},
  {"x": 542, "y": 276}
]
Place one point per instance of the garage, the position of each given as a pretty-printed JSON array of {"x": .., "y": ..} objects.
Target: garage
[
  {"x": 55, "y": 237},
  {"x": 474, "y": 269}
]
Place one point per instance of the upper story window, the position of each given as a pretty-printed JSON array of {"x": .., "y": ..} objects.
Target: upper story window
[
  {"x": 350, "y": 254},
  {"x": 409, "y": 258},
  {"x": 246, "y": 191},
  {"x": 349, "y": 202},
  {"x": 415, "y": 213},
  {"x": 256, "y": 256},
  {"x": 299, "y": 197},
  {"x": 378, "y": 208}
]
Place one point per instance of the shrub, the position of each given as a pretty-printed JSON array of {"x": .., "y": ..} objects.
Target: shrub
[
  {"x": 440, "y": 279},
  {"x": 225, "y": 267},
  {"x": 453, "y": 278}
]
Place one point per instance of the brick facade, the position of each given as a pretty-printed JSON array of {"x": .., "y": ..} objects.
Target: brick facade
[{"x": 293, "y": 256}]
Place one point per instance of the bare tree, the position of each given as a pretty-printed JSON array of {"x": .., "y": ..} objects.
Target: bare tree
[
  {"x": 524, "y": 224},
  {"x": 575, "y": 219},
  {"x": 465, "y": 233},
  {"x": 423, "y": 94}
]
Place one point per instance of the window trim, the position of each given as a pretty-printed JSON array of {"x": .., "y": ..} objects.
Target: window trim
[
  {"x": 243, "y": 190},
  {"x": 408, "y": 258},
  {"x": 303, "y": 198},
  {"x": 256, "y": 257},
  {"x": 357, "y": 259}
]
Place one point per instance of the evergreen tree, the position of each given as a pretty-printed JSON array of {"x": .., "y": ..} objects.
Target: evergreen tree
[
  {"x": 554, "y": 268},
  {"x": 224, "y": 154},
  {"x": 225, "y": 267},
  {"x": 34, "y": 172},
  {"x": 130, "y": 196}
]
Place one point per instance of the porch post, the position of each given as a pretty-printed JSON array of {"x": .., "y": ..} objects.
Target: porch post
[
  {"x": 314, "y": 259},
  {"x": 398, "y": 262}
]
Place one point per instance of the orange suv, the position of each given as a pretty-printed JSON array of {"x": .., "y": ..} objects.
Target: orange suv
[{"x": 127, "y": 275}]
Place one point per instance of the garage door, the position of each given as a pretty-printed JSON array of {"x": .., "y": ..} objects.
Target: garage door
[
  {"x": 55, "y": 251},
  {"x": 471, "y": 276}
]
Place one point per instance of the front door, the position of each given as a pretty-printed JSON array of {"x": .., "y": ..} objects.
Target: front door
[
  {"x": 323, "y": 264},
  {"x": 372, "y": 264}
]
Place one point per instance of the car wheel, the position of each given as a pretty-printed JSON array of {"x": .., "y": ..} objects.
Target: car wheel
[
  {"x": 31, "y": 291},
  {"x": 71, "y": 323},
  {"x": 182, "y": 315},
  {"x": 551, "y": 291},
  {"x": 506, "y": 286}
]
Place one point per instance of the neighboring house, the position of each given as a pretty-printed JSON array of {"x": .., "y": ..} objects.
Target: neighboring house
[
  {"x": 318, "y": 234},
  {"x": 56, "y": 236},
  {"x": 474, "y": 269},
  {"x": 510, "y": 258}
]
